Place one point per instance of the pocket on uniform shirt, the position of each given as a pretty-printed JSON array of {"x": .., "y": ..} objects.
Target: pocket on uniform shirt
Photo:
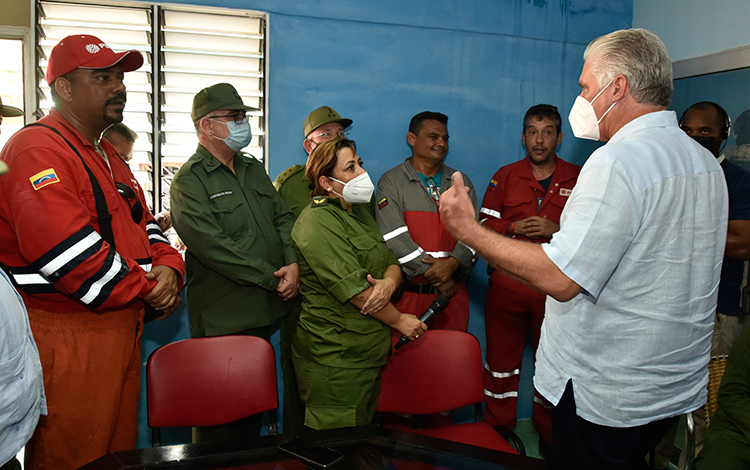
[
  {"x": 362, "y": 242},
  {"x": 113, "y": 206},
  {"x": 225, "y": 210},
  {"x": 515, "y": 199},
  {"x": 558, "y": 202}
]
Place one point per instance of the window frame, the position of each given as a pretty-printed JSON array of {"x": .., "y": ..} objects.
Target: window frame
[{"x": 27, "y": 36}]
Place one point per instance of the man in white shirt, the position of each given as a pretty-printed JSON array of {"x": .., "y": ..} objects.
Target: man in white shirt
[
  {"x": 21, "y": 385},
  {"x": 632, "y": 276}
]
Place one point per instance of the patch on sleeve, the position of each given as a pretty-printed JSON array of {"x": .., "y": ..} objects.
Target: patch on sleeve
[
  {"x": 565, "y": 192},
  {"x": 493, "y": 185},
  {"x": 319, "y": 201},
  {"x": 44, "y": 178},
  {"x": 382, "y": 203}
]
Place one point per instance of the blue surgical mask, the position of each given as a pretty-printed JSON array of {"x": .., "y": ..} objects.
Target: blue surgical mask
[{"x": 240, "y": 134}]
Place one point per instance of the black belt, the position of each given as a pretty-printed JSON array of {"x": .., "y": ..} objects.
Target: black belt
[{"x": 426, "y": 288}]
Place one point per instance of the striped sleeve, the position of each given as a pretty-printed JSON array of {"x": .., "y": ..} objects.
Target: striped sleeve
[{"x": 74, "y": 251}]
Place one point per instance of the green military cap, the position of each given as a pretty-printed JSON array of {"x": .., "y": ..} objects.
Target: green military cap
[
  {"x": 9, "y": 111},
  {"x": 219, "y": 96},
  {"x": 324, "y": 115}
]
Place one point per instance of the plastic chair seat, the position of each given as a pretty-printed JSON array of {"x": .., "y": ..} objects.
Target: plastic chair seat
[
  {"x": 441, "y": 371},
  {"x": 475, "y": 434}
]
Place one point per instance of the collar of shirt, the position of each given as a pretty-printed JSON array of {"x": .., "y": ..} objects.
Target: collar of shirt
[{"x": 647, "y": 121}]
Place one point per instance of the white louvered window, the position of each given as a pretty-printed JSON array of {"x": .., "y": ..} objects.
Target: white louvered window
[{"x": 186, "y": 49}]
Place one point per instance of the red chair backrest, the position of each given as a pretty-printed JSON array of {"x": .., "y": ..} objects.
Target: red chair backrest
[
  {"x": 440, "y": 371},
  {"x": 210, "y": 381}
]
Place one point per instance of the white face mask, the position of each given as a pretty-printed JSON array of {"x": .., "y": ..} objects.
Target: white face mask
[
  {"x": 583, "y": 119},
  {"x": 358, "y": 190}
]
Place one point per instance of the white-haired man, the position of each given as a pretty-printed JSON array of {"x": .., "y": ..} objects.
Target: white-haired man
[{"x": 633, "y": 274}]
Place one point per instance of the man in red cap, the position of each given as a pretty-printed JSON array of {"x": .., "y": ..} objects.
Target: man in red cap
[{"x": 86, "y": 255}]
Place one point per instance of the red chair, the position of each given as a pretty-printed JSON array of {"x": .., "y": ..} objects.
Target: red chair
[
  {"x": 210, "y": 381},
  {"x": 442, "y": 371}
]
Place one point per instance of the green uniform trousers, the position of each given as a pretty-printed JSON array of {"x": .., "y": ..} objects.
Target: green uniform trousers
[{"x": 337, "y": 397}]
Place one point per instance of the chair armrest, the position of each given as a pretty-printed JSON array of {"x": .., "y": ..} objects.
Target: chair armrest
[{"x": 512, "y": 439}]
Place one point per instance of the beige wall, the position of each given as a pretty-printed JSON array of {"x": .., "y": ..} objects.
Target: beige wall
[{"x": 16, "y": 13}]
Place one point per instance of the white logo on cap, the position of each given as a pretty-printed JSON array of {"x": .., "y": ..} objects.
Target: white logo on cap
[{"x": 92, "y": 48}]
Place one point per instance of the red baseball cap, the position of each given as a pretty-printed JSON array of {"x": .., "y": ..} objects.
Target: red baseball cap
[{"x": 88, "y": 52}]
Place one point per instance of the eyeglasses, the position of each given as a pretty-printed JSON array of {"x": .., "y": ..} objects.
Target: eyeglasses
[
  {"x": 136, "y": 209},
  {"x": 239, "y": 116},
  {"x": 329, "y": 135},
  {"x": 433, "y": 189}
]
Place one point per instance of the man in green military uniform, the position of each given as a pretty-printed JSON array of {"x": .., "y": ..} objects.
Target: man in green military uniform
[
  {"x": 322, "y": 125},
  {"x": 241, "y": 263}
]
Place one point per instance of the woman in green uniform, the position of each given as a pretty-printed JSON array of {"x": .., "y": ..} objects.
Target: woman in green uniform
[{"x": 347, "y": 276}]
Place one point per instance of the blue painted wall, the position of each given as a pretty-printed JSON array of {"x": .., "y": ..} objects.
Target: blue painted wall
[{"x": 481, "y": 62}]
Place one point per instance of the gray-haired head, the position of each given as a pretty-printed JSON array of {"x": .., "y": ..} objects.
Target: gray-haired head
[{"x": 639, "y": 55}]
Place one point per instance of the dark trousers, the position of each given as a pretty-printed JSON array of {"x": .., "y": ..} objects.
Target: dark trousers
[
  {"x": 12, "y": 464},
  {"x": 243, "y": 428},
  {"x": 579, "y": 444},
  {"x": 294, "y": 409}
]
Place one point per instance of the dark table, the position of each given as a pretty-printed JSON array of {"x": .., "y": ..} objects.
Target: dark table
[{"x": 364, "y": 447}]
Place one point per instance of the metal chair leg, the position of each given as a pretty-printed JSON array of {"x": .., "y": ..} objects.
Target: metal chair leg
[{"x": 690, "y": 448}]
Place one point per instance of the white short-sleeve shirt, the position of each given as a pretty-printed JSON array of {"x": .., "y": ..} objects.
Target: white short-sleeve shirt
[{"x": 643, "y": 234}]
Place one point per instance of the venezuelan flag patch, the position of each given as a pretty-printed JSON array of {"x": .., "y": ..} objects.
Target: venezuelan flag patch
[
  {"x": 44, "y": 178},
  {"x": 493, "y": 185},
  {"x": 382, "y": 203}
]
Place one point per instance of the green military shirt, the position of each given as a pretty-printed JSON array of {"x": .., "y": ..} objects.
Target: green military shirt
[
  {"x": 337, "y": 249},
  {"x": 294, "y": 188},
  {"x": 237, "y": 231},
  {"x": 727, "y": 444}
]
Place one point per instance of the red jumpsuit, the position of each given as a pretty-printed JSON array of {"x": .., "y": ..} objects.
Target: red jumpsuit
[
  {"x": 83, "y": 296},
  {"x": 512, "y": 309}
]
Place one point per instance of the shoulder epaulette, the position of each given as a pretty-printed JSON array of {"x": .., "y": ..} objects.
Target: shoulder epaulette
[
  {"x": 319, "y": 201},
  {"x": 281, "y": 179}
]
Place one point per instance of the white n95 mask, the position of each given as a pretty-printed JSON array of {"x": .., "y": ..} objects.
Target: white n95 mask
[
  {"x": 582, "y": 117},
  {"x": 358, "y": 190}
]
